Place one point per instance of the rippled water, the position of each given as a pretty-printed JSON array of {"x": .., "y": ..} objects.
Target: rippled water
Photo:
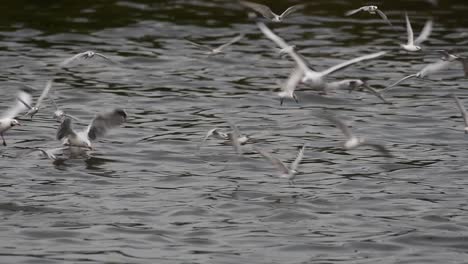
[{"x": 145, "y": 195}]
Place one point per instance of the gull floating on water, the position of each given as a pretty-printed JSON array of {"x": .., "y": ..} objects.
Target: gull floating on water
[
  {"x": 266, "y": 12},
  {"x": 84, "y": 55},
  {"x": 98, "y": 127},
  {"x": 34, "y": 109},
  {"x": 290, "y": 85},
  {"x": 285, "y": 172},
  {"x": 428, "y": 70},
  {"x": 314, "y": 78},
  {"x": 353, "y": 141},
  {"x": 412, "y": 44},
  {"x": 8, "y": 120},
  {"x": 463, "y": 112},
  {"x": 371, "y": 10},
  {"x": 213, "y": 51}
]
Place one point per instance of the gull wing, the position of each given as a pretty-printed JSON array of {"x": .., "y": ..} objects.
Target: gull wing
[
  {"x": 374, "y": 92},
  {"x": 383, "y": 16},
  {"x": 291, "y": 10},
  {"x": 275, "y": 161},
  {"x": 351, "y": 62},
  {"x": 235, "y": 134},
  {"x": 339, "y": 124},
  {"x": 65, "y": 129},
  {"x": 399, "y": 81},
  {"x": 380, "y": 148},
  {"x": 425, "y": 32},
  {"x": 300, "y": 156},
  {"x": 200, "y": 46},
  {"x": 23, "y": 102},
  {"x": 262, "y": 9},
  {"x": 208, "y": 134},
  {"x": 71, "y": 59},
  {"x": 44, "y": 93},
  {"x": 462, "y": 109},
  {"x": 103, "y": 122},
  {"x": 409, "y": 30},
  {"x": 287, "y": 48},
  {"x": 354, "y": 11},
  {"x": 232, "y": 41},
  {"x": 105, "y": 57}
]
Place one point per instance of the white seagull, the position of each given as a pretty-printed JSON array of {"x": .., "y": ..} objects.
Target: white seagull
[
  {"x": 34, "y": 109},
  {"x": 266, "y": 12},
  {"x": 353, "y": 141},
  {"x": 463, "y": 112},
  {"x": 217, "y": 50},
  {"x": 285, "y": 172},
  {"x": 412, "y": 44},
  {"x": 8, "y": 120},
  {"x": 428, "y": 70},
  {"x": 84, "y": 55},
  {"x": 98, "y": 127},
  {"x": 314, "y": 78},
  {"x": 217, "y": 133},
  {"x": 290, "y": 85},
  {"x": 371, "y": 10}
]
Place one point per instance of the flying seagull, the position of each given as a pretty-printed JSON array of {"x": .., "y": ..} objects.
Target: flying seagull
[
  {"x": 290, "y": 85},
  {"x": 217, "y": 50},
  {"x": 34, "y": 109},
  {"x": 463, "y": 112},
  {"x": 285, "y": 172},
  {"x": 98, "y": 127},
  {"x": 7, "y": 120},
  {"x": 412, "y": 44},
  {"x": 353, "y": 141},
  {"x": 314, "y": 78},
  {"x": 371, "y": 10},
  {"x": 266, "y": 12},
  {"x": 84, "y": 55}
]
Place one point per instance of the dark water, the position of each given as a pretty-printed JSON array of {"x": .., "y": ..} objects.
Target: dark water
[{"x": 146, "y": 196}]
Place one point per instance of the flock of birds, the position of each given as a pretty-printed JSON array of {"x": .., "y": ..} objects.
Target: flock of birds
[{"x": 302, "y": 73}]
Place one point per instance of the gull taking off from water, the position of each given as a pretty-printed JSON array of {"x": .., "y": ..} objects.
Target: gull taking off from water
[
  {"x": 285, "y": 172},
  {"x": 371, "y": 10},
  {"x": 214, "y": 51},
  {"x": 353, "y": 141},
  {"x": 412, "y": 44},
  {"x": 98, "y": 127},
  {"x": 84, "y": 55},
  {"x": 266, "y": 12},
  {"x": 316, "y": 79},
  {"x": 463, "y": 112},
  {"x": 8, "y": 120},
  {"x": 34, "y": 109}
]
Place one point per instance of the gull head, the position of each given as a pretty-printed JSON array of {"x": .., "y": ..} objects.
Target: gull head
[
  {"x": 355, "y": 84},
  {"x": 277, "y": 19},
  {"x": 372, "y": 9},
  {"x": 89, "y": 54},
  {"x": 59, "y": 114},
  {"x": 14, "y": 122}
]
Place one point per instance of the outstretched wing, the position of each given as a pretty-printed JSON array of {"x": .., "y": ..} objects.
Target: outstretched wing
[
  {"x": 354, "y": 11},
  {"x": 374, "y": 92},
  {"x": 65, "y": 129},
  {"x": 300, "y": 156},
  {"x": 409, "y": 30},
  {"x": 351, "y": 62},
  {"x": 339, "y": 124},
  {"x": 462, "y": 109},
  {"x": 208, "y": 134},
  {"x": 23, "y": 102},
  {"x": 276, "y": 162},
  {"x": 103, "y": 122},
  {"x": 262, "y": 9},
  {"x": 44, "y": 93},
  {"x": 105, "y": 58},
  {"x": 232, "y": 41},
  {"x": 398, "y": 82},
  {"x": 384, "y": 17},
  {"x": 380, "y": 148},
  {"x": 425, "y": 33},
  {"x": 291, "y": 10},
  {"x": 71, "y": 59}
]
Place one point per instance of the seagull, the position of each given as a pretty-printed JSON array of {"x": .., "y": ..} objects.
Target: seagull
[
  {"x": 8, "y": 120},
  {"x": 266, "y": 12},
  {"x": 463, "y": 112},
  {"x": 290, "y": 85},
  {"x": 217, "y": 133},
  {"x": 352, "y": 141},
  {"x": 355, "y": 84},
  {"x": 429, "y": 69},
  {"x": 98, "y": 127},
  {"x": 412, "y": 44},
  {"x": 371, "y": 10},
  {"x": 448, "y": 56},
  {"x": 316, "y": 79},
  {"x": 34, "y": 109},
  {"x": 285, "y": 172},
  {"x": 219, "y": 49},
  {"x": 84, "y": 55}
]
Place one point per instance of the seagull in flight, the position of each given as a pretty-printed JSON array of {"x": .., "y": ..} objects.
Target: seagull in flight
[
  {"x": 84, "y": 55},
  {"x": 371, "y": 10},
  {"x": 448, "y": 56},
  {"x": 428, "y": 70},
  {"x": 314, "y": 78},
  {"x": 217, "y": 50},
  {"x": 353, "y": 141},
  {"x": 285, "y": 171},
  {"x": 217, "y": 133},
  {"x": 7, "y": 120},
  {"x": 463, "y": 112},
  {"x": 412, "y": 44},
  {"x": 98, "y": 127},
  {"x": 266, "y": 12},
  {"x": 290, "y": 85},
  {"x": 34, "y": 109}
]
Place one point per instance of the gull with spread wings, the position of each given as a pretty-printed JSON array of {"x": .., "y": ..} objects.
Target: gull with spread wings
[
  {"x": 84, "y": 55},
  {"x": 371, "y": 10},
  {"x": 217, "y": 50},
  {"x": 8, "y": 120},
  {"x": 266, "y": 12},
  {"x": 413, "y": 44},
  {"x": 34, "y": 109}
]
